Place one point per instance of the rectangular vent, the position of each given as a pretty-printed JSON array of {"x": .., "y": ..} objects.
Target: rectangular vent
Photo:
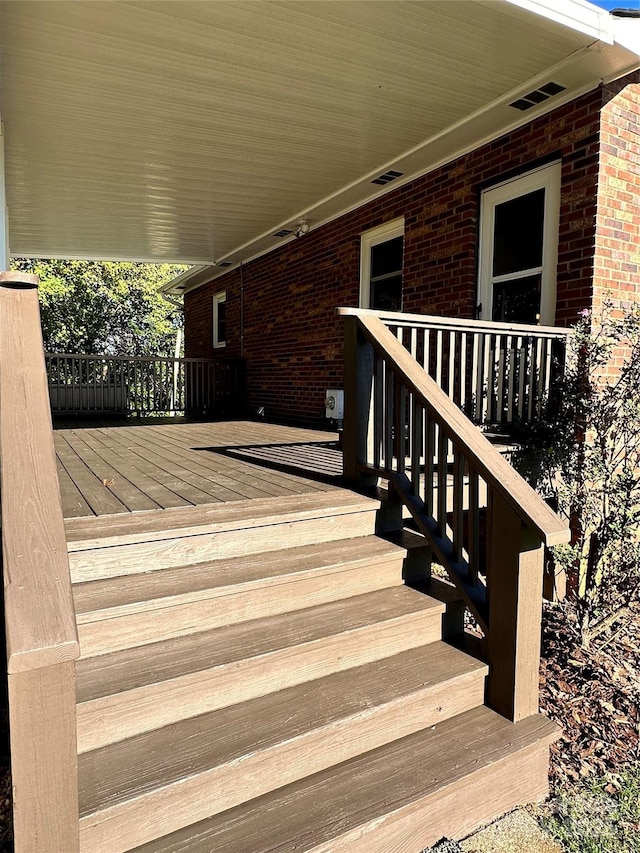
[
  {"x": 283, "y": 232},
  {"x": 537, "y": 96},
  {"x": 389, "y": 176},
  {"x": 552, "y": 88},
  {"x": 225, "y": 263}
]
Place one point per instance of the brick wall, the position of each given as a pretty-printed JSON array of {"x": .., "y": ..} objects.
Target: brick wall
[
  {"x": 292, "y": 340},
  {"x": 617, "y": 257}
]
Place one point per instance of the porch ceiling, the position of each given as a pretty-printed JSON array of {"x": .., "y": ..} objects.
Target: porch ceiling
[{"x": 191, "y": 131}]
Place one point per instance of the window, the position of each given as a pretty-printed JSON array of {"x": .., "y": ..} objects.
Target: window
[
  {"x": 381, "y": 264},
  {"x": 519, "y": 248},
  {"x": 220, "y": 319}
]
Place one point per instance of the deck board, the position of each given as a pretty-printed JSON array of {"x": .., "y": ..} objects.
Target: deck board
[
  {"x": 109, "y": 466},
  {"x": 215, "y": 472},
  {"x": 243, "y": 471}
]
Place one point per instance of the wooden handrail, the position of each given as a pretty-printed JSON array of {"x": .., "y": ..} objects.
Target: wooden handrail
[
  {"x": 39, "y": 612},
  {"x": 497, "y": 373},
  {"x": 42, "y": 639},
  {"x": 483, "y": 523},
  {"x": 488, "y": 461},
  {"x": 91, "y": 384},
  {"x": 429, "y": 320},
  {"x": 129, "y": 358}
]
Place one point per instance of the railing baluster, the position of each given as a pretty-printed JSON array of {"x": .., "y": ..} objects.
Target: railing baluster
[
  {"x": 388, "y": 418},
  {"x": 487, "y": 378},
  {"x": 439, "y": 344},
  {"x": 545, "y": 374},
  {"x": 501, "y": 346},
  {"x": 533, "y": 374},
  {"x": 476, "y": 384},
  {"x": 522, "y": 370},
  {"x": 463, "y": 370},
  {"x": 417, "y": 444},
  {"x": 378, "y": 409},
  {"x": 511, "y": 373},
  {"x": 458, "y": 504},
  {"x": 443, "y": 455},
  {"x": 473, "y": 527},
  {"x": 426, "y": 356},
  {"x": 400, "y": 422},
  {"x": 451, "y": 390},
  {"x": 429, "y": 455}
]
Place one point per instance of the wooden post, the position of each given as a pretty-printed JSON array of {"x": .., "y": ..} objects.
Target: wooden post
[
  {"x": 358, "y": 403},
  {"x": 42, "y": 639},
  {"x": 514, "y": 579},
  {"x": 44, "y": 759}
]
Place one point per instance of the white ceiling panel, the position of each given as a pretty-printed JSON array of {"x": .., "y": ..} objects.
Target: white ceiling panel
[{"x": 186, "y": 130}]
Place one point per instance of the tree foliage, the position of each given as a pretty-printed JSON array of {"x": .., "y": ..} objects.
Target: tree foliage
[
  {"x": 588, "y": 460},
  {"x": 105, "y": 308}
]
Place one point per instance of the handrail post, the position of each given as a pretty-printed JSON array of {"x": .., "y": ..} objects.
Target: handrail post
[
  {"x": 357, "y": 442},
  {"x": 514, "y": 579},
  {"x": 42, "y": 640}
]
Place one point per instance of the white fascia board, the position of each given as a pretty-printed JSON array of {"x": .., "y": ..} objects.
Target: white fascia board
[
  {"x": 626, "y": 32},
  {"x": 190, "y": 279},
  {"x": 117, "y": 258},
  {"x": 576, "y": 14}
]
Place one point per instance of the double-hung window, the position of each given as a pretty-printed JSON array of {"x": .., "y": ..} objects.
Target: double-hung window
[
  {"x": 381, "y": 266},
  {"x": 220, "y": 319},
  {"x": 519, "y": 222}
]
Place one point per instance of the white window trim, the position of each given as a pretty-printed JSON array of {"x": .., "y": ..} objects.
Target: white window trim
[
  {"x": 369, "y": 239},
  {"x": 547, "y": 178},
  {"x": 218, "y": 299}
]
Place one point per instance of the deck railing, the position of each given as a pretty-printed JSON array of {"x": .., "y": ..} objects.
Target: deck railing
[
  {"x": 495, "y": 372},
  {"x": 96, "y": 384},
  {"x": 41, "y": 634},
  {"x": 484, "y": 524}
]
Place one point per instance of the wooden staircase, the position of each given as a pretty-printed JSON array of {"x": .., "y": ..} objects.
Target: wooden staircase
[
  {"x": 261, "y": 678},
  {"x": 291, "y": 694}
]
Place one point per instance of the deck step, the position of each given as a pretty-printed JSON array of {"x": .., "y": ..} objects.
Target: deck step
[
  {"x": 398, "y": 798},
  {"x": 111, "y": 546},
  {"x": 188, "y": 771},
  {"x": 128, "y": 692},
  {"x": 119, "y": 613}
]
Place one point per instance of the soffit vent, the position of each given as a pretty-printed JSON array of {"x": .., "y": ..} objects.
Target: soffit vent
[
  {"x": 538, "y": 96},
  {"x": 180, "y": 287},
  {"x": 389, "y": 176},
  {"x": 225, "y": 264},
  {"x": 283, "y": 232}
]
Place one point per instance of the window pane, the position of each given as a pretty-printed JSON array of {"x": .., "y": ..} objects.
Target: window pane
[
  {"x": 222, "y": 321},
  {"x": 386, "y": 295},
  {"x": 386, "y": 257},
  {"x": 518, "y": 233},
  {"x": 517, "y": 301}
]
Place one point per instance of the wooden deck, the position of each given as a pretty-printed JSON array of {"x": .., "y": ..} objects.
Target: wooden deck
[{"x": 117, "y": 467}]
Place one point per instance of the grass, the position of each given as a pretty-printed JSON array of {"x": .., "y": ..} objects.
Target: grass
[{"x": 598, "y": 816}]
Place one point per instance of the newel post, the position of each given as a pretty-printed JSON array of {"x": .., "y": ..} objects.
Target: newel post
[
  {"x": 41, "y": 633},
  {"x": 357, "y": 440},
  {"x": 514, "y": 579}
]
